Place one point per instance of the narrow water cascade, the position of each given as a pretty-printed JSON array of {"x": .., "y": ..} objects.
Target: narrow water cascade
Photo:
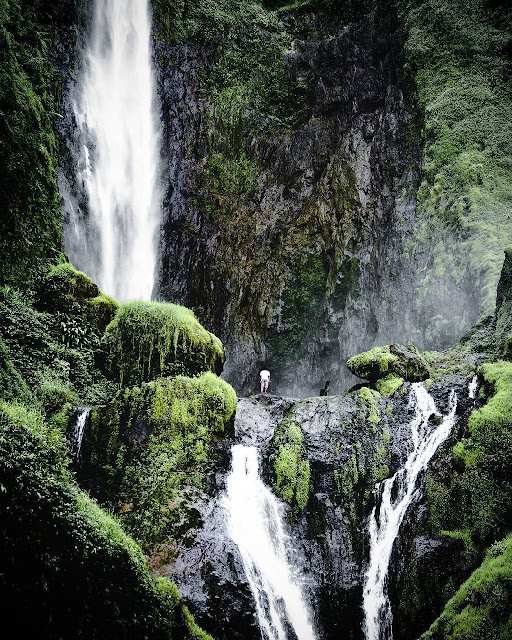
[
  {"x": 472, "y": 387},
  {"x": 255, "y": 521},
  {"x": 396, "y": 495},
  {"x": 76, "y": 432},
  {"x": 112, "y": 226}
]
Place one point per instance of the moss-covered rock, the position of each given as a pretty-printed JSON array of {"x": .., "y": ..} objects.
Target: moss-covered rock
[
  {"x": 291, "y": 466},
  {"x": 68, "y": 568},
  {"x": 146, "y": 340},
  {"x": 396, "y": 360},
  {"x": 481, "y": 607},
  {"x": 151, "y": 444},
  {"x": 388, "y": 385},
  {"x": 66, "y": 290}
]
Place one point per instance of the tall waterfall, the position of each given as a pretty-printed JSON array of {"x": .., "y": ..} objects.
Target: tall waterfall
[
  {"x": 255, "y": 521},
  {"x": 111, "y": 232},
  {"x": 397, "y": 493}
]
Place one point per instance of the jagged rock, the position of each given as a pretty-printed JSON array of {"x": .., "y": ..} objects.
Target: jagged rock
[{"x": 395, "y": 359}]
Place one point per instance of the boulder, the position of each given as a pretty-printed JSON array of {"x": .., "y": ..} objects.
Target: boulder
[{"x": 395, "y": 359}]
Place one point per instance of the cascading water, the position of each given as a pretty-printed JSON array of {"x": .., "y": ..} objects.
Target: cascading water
[
  {"x": 76, "y": 433},
  {"x": 472, "y": 387},
  {"x": 397, "y": 493},
  {"x": 112, "y": 235},
  {"x": 255, "y": 522}
]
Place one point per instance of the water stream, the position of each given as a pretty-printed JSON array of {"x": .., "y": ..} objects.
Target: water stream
[
  {"x": 256, "y": 524},
  {"x": 76, "y": 433},
  {"x": 111, "y": 235},
  {"x": 396, "y": 495}
]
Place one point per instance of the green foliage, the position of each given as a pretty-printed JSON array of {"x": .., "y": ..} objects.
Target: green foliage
[
  {"x": 151, "y": 444},
  {"x": 477, "y": 494},
  {"x": 291, "y": 466},
  {"x": 249, "y": 44},
  {"x": 458, "y": 52},
  {"x": 64, "y": 290},
  {"x": 229, "y": 177},
  {"x": 481, "y": 607},
  {"x": 68, "y": 569},
  {"x": 150, "y": 339},
  {"x": 49, "y": 358},
  {"x": 497, "y": 413},
  {"x": 30, "y": 216}
]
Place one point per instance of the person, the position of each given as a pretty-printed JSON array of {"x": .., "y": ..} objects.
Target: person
[
  {"x": 325, "y": 390},
  {"x": 264, "y": 380}
]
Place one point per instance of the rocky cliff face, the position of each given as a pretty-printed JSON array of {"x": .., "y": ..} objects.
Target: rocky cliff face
[
  {"x": 297, "y": 242},
  {"x": 351, "y": 442}
]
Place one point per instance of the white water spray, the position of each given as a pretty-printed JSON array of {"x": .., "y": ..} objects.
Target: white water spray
[
  {"x": 397, "y": 493},
  {"x": 255, "y": 521},
  {"x": 118, "y": 148},
  {"x": 76, "y": 434}
]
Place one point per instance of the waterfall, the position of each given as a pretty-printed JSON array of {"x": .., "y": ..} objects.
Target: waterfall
[
  {"x": 472, "y": 387},
  {"x": 111, "y": 226},
  {"x": 397, "y": 493},
  {"x": 76, "y": 433},
  {"x": 255, "y": 521}
]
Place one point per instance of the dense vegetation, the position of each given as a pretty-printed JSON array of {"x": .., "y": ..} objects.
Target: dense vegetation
[
  {"x": 30, "y": 94},
  {"x": 459, "y": 54},
  {"x": 67, "y": 564},
  {"x": 67, "y": 567}
]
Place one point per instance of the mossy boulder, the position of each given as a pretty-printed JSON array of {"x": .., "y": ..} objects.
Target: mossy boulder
[
  {"x": 153, "y": 444},
  {"x": 66, "y": 290},
  {"x": 382, "y": 362},
  {"x": 147, "y": 340}
]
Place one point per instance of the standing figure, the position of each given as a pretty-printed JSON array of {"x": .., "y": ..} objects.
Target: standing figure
[
  {"x": 264, "y": 380},
  {"x": 325, "y": 390}
]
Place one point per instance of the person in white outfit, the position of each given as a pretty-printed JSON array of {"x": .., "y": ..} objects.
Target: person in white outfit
[{"x": 264, "y": 380}]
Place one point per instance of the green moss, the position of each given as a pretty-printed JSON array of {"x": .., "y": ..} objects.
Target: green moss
[
  {"x": 369, "y": 399},
  {"x": 68, "y": 568},
  {"x": 66, "y": 290},
  {"x": 388, "y": 385},
  {"x": 372, "y": 364},
  {"x": 291, "y": 467},
  {"x": 51, "y": 356},
  {"x": 386, "y": 361},
  {"x": 153, "y": 442},
  {"x": 458, "y": 54},
  {"x": 481, "y": 607},
  {"x": 497, "y": 413},
  {"x": 476, "y": 495},
  {"x": 30, "y": 87},
  {"x": 150, "y": 339}
]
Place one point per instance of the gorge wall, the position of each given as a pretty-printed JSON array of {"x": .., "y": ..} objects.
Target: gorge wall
[{"x": 296, "y": 144}]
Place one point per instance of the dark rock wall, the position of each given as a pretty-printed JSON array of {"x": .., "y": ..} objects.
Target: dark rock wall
[{"x": 307, "y": 268}]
